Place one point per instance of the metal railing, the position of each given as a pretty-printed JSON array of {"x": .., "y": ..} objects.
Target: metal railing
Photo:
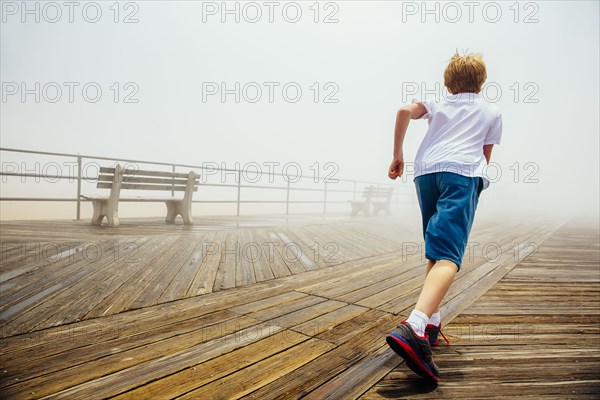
[{"x": 78, "y": 177}]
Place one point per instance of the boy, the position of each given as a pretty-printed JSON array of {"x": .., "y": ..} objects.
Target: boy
[{"x": 449, "y": 176}]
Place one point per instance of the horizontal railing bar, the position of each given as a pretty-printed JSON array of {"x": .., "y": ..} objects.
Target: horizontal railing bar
[
  {"x": 172, "y": 164},
  {"x": 36, "y": 199},
  {"x": 193, "y": 201},
  {"x": 30, "y": 175},
  {"x": 95, "y": 179}
]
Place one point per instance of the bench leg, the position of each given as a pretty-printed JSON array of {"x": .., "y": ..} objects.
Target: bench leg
[
  {"x": 186, "y": 213},
  {"x": 101, "y": 210},
  {"x": 171, "y": 212},
  {"x": 98, "y": 214},
  {"x": 175, "y": 208},
  {"x": 386, "y": 208},
  {"x": 113, "y": 219}
]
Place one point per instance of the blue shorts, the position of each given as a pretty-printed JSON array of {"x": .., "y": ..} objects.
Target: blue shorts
[{"x": 448, "y": 202}]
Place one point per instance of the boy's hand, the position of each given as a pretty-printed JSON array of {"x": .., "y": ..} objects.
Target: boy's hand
[{"x": 396, "y": 167}]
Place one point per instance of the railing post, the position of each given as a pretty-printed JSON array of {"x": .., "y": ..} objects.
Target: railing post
[
  {"x": 287, "y": 198},
  {"x": 325, "y": 198},
  {"x": 78, "y": 188},
  {"x": 354, "y": 191},
  {"x": 239, "y": 188}
]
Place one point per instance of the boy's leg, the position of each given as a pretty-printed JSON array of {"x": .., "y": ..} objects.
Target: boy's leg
[
  {"x": 446, "y": 236},
  {"x": 446, "y": 231},
  {"x": 434, "y": 322},
  {"x": 430, "y": 264},
  {"x": 437, "y": 282}
]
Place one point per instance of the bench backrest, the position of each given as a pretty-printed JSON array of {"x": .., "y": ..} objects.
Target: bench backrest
[
  {"x": 371, "y": 192},
  {"x": 117, "y": 179}
]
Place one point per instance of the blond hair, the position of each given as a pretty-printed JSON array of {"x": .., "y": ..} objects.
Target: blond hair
[{"x": 465, "y": 74}]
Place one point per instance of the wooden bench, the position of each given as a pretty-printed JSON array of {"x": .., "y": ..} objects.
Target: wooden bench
[
  {"x": 379, "y": 198},
  {"x": 117, "y": 179}
]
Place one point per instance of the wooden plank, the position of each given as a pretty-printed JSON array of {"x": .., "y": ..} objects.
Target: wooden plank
[
  {"x": 209, "y": 258},
  {"x": 228, "y": 264},
  {"x": 256, "y": 253},
  {"x": 59, "y": 287},
  {"x": 358, "y": 326},
  {"x": 329, "y": 320},
  {"x": 163, "y": 275},
  {"x": 294, "y": 253},
  {"x": 244, "y": 274},
  {"x": 182, "y": 282},
  {"x": 307, "y": 314},
  {"x": 273, "y": 301},
  {"x": 80, "y": 353},
  {"x": 303, "y": 250},
  {"x": 125, "y": 323},
  {"x": 192, "y": 378},
  {"x": 507, "y": 262},
  {"x": 279, "y": 310},
  {"x": 112, "y": 379},
  {"x": 254, "y": 377},
  {"x": 106, "y": 298},
  {"x": 360, "y": 344},
  {"x": 270, "y": 257},
  {"x": 352, "y": 382},
  {"x": 370, "y": 273},
  {"x": 48, "y": 260}
]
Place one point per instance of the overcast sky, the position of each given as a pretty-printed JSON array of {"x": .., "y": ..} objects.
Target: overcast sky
[{"x": 315, "y": 83}]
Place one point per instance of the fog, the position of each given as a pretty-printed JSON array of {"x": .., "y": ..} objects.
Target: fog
[{"x": 315, "y": 84}]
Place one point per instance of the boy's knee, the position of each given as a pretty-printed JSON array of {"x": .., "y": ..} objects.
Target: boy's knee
[{"x": 448, "y": 264}]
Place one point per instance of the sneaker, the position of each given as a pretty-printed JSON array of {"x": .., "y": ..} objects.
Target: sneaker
[
  {"x": 432, "y": 332},
  {"x": 414, "y": 349}
]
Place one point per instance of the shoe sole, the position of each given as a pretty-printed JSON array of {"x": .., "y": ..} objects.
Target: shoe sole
[{"x": 404, "y": 350}]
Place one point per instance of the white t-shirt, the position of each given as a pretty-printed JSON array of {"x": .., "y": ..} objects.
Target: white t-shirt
[{"x": 459, "y": 127}]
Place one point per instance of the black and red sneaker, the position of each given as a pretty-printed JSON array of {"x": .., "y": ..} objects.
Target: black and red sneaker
[
  {"x": 414, "y": 349},
  {"x": 433, "y": 332}
]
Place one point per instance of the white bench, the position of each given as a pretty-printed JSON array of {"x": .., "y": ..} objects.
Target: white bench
[
  {"x": 379, "y": 198},
  {"x": 117, "y": 179}
]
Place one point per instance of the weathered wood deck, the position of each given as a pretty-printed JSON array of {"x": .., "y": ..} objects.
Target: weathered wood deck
[{"x": 234, "y": 308}]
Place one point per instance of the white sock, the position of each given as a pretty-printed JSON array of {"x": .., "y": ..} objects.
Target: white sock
[
  {"x": 418, "y": 321},
  {"x": 435, "y": 319}
]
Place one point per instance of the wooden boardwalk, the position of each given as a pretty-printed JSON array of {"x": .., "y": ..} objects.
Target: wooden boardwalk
[{"x": 231, "y": 309}]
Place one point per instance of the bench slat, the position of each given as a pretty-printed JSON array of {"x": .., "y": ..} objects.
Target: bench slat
[
  {"x": 142, "y": 172},
  {"x": 137, "y": 179},
  {"x": 136, "y": 199},
  {"x": 377, "y": 192},
  {"x": 139, "y": 186}
]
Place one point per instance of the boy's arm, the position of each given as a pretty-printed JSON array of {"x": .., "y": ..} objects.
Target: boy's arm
[
  {"x": 487, "y": 152},
  {"x": 403, "y": 117}
]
